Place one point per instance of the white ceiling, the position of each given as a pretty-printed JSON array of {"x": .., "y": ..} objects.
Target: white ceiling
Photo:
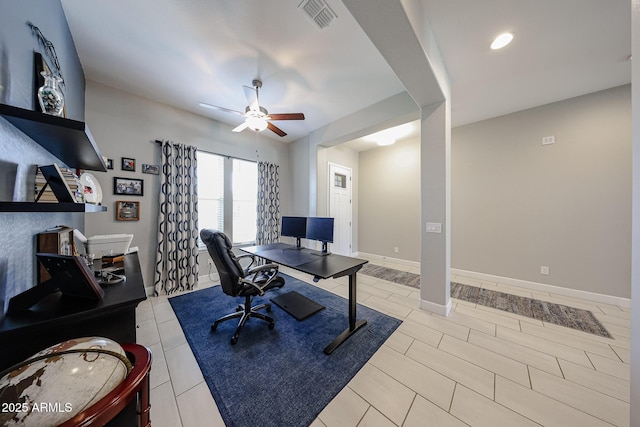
[
  {"x": 182, "y": 52},
  {"x": 561, "y": 49}
]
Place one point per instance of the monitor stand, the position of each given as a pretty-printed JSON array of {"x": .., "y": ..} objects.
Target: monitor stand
[
  {"x": 297, "y": 246},
  {"x": 325, "y": 250}
]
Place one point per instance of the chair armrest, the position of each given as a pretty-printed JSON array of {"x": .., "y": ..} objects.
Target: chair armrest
[
  {"x": 263, "y": 267},
  {"x": 273, "y": 268},
  {"x": 253, "y": 259}
]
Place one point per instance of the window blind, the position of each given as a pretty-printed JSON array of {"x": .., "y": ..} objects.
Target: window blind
[
  {"x": 210, "y": 191},
  {"x": 245, "y": 193}
]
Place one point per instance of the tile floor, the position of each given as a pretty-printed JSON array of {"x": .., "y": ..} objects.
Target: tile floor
[{"x": 477, "y": 367}]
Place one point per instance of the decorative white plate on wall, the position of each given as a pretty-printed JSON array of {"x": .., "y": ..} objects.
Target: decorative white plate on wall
[{"x": 91, "y": 188}]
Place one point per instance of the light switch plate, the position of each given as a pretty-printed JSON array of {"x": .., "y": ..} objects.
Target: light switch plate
[{"x": 434, "y": 227}]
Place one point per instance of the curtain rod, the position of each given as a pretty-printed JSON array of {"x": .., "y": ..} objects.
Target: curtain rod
[{"x": 157, "y": 141}]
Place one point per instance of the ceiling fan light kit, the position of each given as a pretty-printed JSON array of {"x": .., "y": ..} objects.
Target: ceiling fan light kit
[
  {"x": 257, "y": 118},
  {"x": 257, "y": 124}
]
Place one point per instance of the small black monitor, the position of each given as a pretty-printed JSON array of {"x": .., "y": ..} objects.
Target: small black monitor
[
  {"x": 320, "y": 229},
  {"x": 294, "y": 226}
]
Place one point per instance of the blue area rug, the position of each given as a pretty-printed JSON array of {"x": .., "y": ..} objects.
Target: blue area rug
[{"x": 277, "y": 377}]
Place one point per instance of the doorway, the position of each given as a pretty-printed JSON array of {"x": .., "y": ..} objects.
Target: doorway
[{"x": 340, "y": 207}]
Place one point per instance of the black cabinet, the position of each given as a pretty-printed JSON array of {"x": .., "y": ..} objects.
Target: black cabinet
[{"x": 58, "y": 318}]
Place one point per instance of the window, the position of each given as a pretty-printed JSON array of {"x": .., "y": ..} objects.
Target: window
[
  {"x": 340, "y": 181},
  {"x": 210, "y": 191},
  {"x": 245, "y": 197},
  {"x": 227, "y": 196}
]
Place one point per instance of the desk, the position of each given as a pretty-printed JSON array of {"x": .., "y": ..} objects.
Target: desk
[{"x": 320, "y": 267}]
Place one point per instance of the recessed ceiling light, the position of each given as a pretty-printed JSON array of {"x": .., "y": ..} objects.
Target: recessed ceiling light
[
  {"x": 386, "y": 141},
  {"x": 501, "y": 41}
]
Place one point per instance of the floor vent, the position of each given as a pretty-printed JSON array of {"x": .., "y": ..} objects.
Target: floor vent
[{"x": 319, "y": 12}]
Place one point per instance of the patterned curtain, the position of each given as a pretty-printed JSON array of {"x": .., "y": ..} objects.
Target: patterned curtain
[
  {"x": 268, "y": 203},
  {"x": 177, "y": 255}
]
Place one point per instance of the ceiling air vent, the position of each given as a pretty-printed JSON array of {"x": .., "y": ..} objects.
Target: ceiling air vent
[{"x": 319, "y": 12}]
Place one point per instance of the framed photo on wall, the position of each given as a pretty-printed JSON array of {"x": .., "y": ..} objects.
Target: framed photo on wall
[
  {"x": 127, "y": 210},
  {"x": 152, "y": 169},
  {"x": 128, "y": 186},
  {"x": 109, "y": 163},
  {"x": 128, "y": 164}
]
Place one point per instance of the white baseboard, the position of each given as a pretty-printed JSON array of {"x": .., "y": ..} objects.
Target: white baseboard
[
  {"x": 201, "y": 279},
  {"x": 524, "y": 284},
  {"x": 205, "y": 278},
  {"x": 442, "y": 310},
  {"x": 388, "y": 259},
  {"x": 558, "y": 290}
]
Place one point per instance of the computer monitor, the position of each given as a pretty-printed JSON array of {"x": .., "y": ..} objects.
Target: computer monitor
[
  {"x": 320, "y": 229},
  {"x": 294, "y": 226}
]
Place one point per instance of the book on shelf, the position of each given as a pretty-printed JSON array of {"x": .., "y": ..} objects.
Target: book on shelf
[
  {"x": 54, "y": 185},
  {"x": 112, "y": 259}
]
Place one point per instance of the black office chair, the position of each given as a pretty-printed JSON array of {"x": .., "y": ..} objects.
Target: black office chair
[{"x": 237, "y": 281}]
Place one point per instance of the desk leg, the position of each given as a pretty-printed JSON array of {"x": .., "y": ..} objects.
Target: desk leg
[{"x": 354, "y": 324}]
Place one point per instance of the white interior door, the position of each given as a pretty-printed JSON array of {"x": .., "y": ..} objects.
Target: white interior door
[{"x": 340, "y": 208}]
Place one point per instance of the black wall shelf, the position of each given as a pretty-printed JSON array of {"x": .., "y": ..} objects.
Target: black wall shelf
[
  {"x": 67, "y": 139},
  {"x": 50, "y": 207}
]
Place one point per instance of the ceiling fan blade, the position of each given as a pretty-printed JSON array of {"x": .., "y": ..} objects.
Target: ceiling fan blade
[
  {"x": 252, "y": 98},
  {"x": 240, "y": 127},
  {"x": 287, "y": 116},
  {"x": 275, "y": 129},
  {"x": 215, "y": 107}
]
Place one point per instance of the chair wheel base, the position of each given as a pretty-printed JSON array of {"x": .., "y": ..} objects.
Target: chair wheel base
[{"x": 244, "y": 313}]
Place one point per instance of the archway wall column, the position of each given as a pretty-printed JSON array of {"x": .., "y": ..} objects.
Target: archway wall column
[{"x": 401, "y": 33}]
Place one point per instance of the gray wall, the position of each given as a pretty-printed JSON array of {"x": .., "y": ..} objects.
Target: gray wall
[
  {"x": 125, "y": 125},
  {"x": 299, "y": 178},
  {"x": 390, "y": 112},
  {"x": 389, "y": 200},
  {"x": 518, "y": 205},
  {"x": 635, "y": 276},
  {"x": 17, "y": 45},
  {"x": 18, "y": 153}
]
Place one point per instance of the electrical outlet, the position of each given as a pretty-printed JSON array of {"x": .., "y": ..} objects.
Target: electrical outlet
[
  {"x": 396, "y": 250},
  {"x": 544, "y": 270},
  {"x": 548, "y": 140}
]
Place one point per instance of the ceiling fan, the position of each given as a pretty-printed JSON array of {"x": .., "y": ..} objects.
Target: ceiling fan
[{"x": 257, "y": 118}]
